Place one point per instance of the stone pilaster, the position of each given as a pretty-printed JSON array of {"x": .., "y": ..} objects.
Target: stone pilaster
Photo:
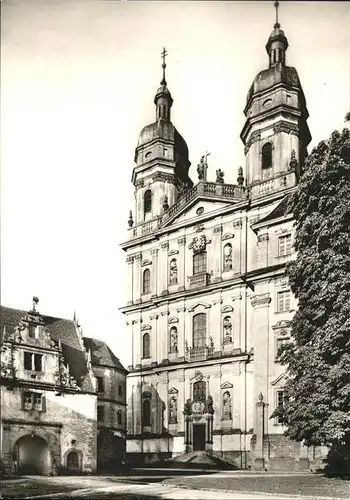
[
  {"x": 216, "y": 254},
  {"x": 181, "y": 264},
  {"x": 163, "y": 340},
  {"x": 130, "y": 280},
  {"x": 154, "y": 275},
  {"x": 181, "y": 330},
  {"x": 163, "y": 269},
  {"x": 137, "y": 278},
  {"x": 260, "y": 328}
]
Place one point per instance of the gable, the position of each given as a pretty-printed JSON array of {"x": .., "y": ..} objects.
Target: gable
[{"x": 193, "y": 211}]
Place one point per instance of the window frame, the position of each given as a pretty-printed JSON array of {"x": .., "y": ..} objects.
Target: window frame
[
  {"x": 284, "y": 301},
  {"x": 146, "y": 337},
  {"x": 277, "y": 402},
  {"x": 286, "y": 248},
  {"x": 199, "y": 262},
  {"x": 36, "y": 361},
  {"x": 147, "y": 202},
  {"x": 100, "y": 413},
  {"x": 100, "y": 384},
  {"x": 266, "y": 156},
  {"x": 29, "y": 402},
  {"x": 146, "y": 283},
  {"x": 199, "y": 330}
]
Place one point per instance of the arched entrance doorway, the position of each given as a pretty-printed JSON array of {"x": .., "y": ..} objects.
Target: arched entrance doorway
[
  {"x": 73, "y": 461},
  {"x": 31, "y": 455}
]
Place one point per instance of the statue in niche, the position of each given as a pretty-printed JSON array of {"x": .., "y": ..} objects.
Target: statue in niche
[
  {"x": 173, "y": 410},
  {"x": 173, "y": 272},
  {"x": 227, "y": 324},
  {"x": 173, "y": 339},
  {"x": 209, "y": 405},
  {"x": 228, "y": 257},
  {"x": 188, "y": 407},
  {"x": 227, "y": 406},
  {"x": 220, "y": 176}
]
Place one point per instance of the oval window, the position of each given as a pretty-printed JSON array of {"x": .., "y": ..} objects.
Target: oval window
[{"x": 267, "y": 103}]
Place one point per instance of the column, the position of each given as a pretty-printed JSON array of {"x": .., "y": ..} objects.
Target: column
[
  {"x": 181, "y": 264},
  {"x": 163, "y": 333},
  {"x": 137, "y": 278},
  {"x": 129, "y": 280},
  {"x": 154, "y": 275},
  {"x": 181, "y": 331}
]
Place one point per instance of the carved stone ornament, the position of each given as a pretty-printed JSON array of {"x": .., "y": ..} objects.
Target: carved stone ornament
[
  {"x": 288, "y": 128},
  {"x": 160, "y": 176},
  {"x": 198, "y": 228},
  {"x": 237, "y": 223},
  {"x": 62, "y": 377},
  {"x": 200, "y": 210},
  {"x": 226, "y": 309},
  {"x": 146, "y": 327},
  {"x": 263, "y": 237},
  {"x": 129, "y": 260},
  {"x": 261, "y": 300},
  {"x": 164, "y": 246},
  {"x": 7, "y": 361},
  {"x": 181, "y": 241},
  {"x": 173, "y": 390},
  {"x": 217, "y": 229},
  {"x": 198, "y": 375},
  {"x": 173, "y": 252},
  {"x": 199, "y": 243}
]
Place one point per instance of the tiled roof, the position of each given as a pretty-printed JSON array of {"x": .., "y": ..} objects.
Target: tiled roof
[
  {"x": 101, "y": 354},
  {"x": 282, "y": 209},
  {"x": 60, "y": 329}
]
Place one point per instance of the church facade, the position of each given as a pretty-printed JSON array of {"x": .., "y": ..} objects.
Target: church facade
[{"x": 208, "y": 303}]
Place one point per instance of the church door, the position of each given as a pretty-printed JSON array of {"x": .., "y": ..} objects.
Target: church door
[{"x": 198, "y": 437}]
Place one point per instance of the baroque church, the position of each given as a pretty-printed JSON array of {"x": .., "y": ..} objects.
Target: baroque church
[{"x": 208, "y": 305}]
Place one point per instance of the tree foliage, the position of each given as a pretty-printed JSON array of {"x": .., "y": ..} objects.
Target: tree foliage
[{"x": 317, "y": 390}]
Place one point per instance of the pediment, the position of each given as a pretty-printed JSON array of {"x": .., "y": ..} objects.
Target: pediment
[
  {"x": 227, "y": 236},
  {"x": 146, "y": 262},
  {"x": 173, "y": 320},
  {"x": 192, "y": 210},
  {"x": 146, "y": 327},
  {"x": 227, "y": 309},
  {"x": 226, "y": 385},
  {"x": 199, "y": 304},
  {"x": 173, "y": 390},
  {"x": 280, "y": 380}
]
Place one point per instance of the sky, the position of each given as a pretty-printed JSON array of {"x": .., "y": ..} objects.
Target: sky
[{"x": 78, "y": 78}]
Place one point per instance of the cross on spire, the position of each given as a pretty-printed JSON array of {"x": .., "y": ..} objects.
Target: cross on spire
[
  {"x": 276, "y": 4},
  {"x": 163, "y": 55}
]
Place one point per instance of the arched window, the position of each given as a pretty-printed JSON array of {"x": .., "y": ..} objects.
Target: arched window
[
  {"x": 119, "y": 417},
  {"x": 199, "y": 330},
  {"x": 146, "y": 281},
  {"x": 146, "y": 346},
  {"x": 173, "y": 339},
  {"x": 228, "y": 261},
  {"x": 173, "y": 272},
  {"x": 147, "y": 201},
  {"x": 266, "y": 155},
  {"x": 146, "y": 412},
  {"x": 200, "y": 262},
  {"x": 199, "y": 391}
]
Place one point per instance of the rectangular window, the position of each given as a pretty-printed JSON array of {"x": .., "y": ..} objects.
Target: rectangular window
[
  {"x": 100, "y": 384},
  {"x": 280, "y": 399},
  {"x": 33, "y": 362},
  {"x": 100, "y": 413},
  {"x": 28, "y": 360},
  {"x": 32, "y": 401},
  {"x": 283, "y": 301},
  {"x": 285, "y": 245},
  {"x": 280, "y": 343},
  {"x": 120, "y": 390},
  {"x": 200, "y": 263}
]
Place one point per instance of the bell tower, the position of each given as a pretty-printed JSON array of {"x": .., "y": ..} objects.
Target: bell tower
[
  {"x": 275, "y": 134},
  {"x": 161, "y": 160}
]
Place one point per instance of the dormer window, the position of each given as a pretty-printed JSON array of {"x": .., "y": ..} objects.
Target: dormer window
[
  {"x": 147, "y": 201},
  {"x": 266, "y": 155}
]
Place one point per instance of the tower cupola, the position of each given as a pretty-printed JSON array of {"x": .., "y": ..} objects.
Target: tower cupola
[
  {"x": 277, "y": 43},
  {"x": 163, "y": 99}
]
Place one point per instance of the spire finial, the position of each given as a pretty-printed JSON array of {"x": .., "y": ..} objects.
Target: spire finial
[
  {"x": 163, "y": 55},
  {"x": 276, "y": 4}
]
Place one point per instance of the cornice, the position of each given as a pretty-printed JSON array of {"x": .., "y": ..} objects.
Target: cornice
[{"x": 258, "y": 274}]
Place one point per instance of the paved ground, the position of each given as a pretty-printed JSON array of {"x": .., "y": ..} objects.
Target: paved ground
[{"x": 158, "y": 484}]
